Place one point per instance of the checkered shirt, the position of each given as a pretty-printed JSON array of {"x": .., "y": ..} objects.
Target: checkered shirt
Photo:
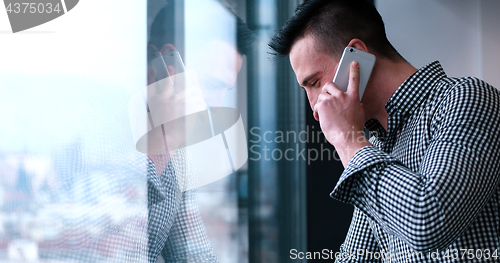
[
  {"x": 175, "y": 227},
  {"x": 429, "y": 183}
]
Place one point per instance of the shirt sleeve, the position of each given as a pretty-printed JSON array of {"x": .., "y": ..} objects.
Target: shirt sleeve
[
  {"x": 360, "y": 243},
  {"x": 188, "y": 240},
  {"x": 459, "y": 171}
]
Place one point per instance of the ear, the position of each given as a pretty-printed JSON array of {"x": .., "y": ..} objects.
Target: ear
[
  {"x": 358, "y": 44},
  {"x": 167, "y": 48}
]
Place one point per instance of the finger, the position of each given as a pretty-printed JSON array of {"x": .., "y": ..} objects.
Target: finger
[
  {"x": 171, "y": 77},
  {"x": 315, "y": 113},
  {"x": 165, "y": 85},
  {"x": 322, "y": 96},
  {"x": 170, "y": 84},
  {"x": 331, "y": 89},
  {"x": 160, "y": 73},
  {"x": 159, "y": 76},
  {"x": 315, "y": 108},
  {"x": 353, "y": 86}
]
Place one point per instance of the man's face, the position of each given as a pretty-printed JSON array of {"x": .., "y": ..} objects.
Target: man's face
[
  {"x": 217, "y": 66},
  {"x": 313, "y": 68},
  {"x": 216, "y": 63}
]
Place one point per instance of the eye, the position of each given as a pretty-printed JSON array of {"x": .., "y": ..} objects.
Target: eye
[{"x": 314, "y": 83}]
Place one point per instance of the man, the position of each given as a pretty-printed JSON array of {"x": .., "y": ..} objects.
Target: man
[
  {"x": 428, "y": 178},
  {"x": 175, "y": 229}
]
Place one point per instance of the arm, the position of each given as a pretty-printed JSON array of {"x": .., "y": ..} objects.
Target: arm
[
  {"x": 432, "y": 207},
  {"x": 187, "y": 240},
  {"x": 359, "y": 238}
]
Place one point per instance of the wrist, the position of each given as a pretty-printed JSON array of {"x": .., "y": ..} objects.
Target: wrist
[{"x": 346, "y": 150}]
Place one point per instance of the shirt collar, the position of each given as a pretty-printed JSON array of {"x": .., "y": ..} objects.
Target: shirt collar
[
  {"x": 375, "y": 128},
  {"x": 156, "y": 185},
  {"x": 415, "y": 90}
]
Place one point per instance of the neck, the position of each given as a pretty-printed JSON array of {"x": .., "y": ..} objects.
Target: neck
[
  {"x": 386, "y": 78},
  {"x": 160, "y": 160}
]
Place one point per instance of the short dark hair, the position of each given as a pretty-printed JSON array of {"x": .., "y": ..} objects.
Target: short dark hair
[
  {"x": 162, "y": 31},
  {"x": 245, "y": 38},
  {"x": 334, "y": 23},
  {"x": 162, "y": 28}
]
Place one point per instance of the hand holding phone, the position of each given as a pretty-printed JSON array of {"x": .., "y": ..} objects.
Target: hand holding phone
[
  {"x": 366, "y": 62},
  {"x": 167, "y": 66}
]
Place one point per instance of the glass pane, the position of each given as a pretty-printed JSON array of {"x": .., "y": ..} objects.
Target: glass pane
[
  {"x": 208, "y": 94},
  {"x": 72, "y": 184},
  {"x": 126, "y": 136}
]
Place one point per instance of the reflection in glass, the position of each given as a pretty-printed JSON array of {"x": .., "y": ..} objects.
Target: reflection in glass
[{"x": 192, "y": 142}]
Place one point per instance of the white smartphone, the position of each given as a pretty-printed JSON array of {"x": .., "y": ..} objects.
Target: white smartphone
[
  {"x": 160, "y": 64},
  {"x": 366, "y": 62}
]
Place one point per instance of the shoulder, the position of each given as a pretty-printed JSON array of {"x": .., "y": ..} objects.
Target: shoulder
[
  {"x": 469, "y": 89},
  {"x": 468, "y": 102},
  {"x": 467, "y": 95}
]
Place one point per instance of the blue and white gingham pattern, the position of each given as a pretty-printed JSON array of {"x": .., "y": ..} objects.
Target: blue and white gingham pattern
[
  {"x": 430, "y": 182},
  {"x": 175, "y": 228}
]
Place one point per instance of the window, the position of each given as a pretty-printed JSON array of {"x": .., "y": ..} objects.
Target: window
[{"x": 80, "y": 121}]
